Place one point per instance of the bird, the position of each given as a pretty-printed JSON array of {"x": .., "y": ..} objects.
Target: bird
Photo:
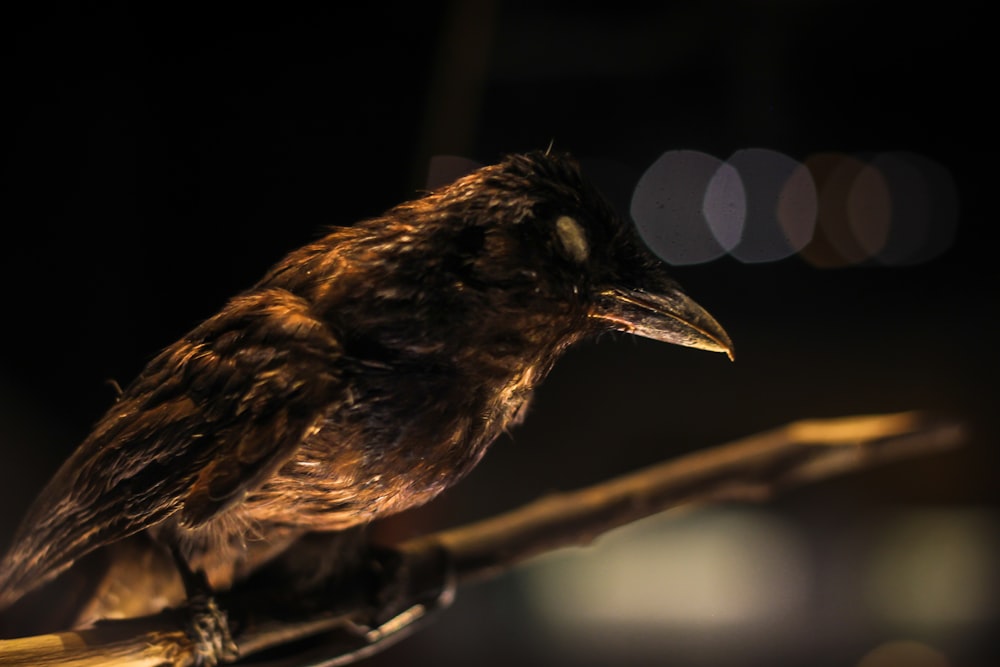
[{"x": 364, "y": 374}]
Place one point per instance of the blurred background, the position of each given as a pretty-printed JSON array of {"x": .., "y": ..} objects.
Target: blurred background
[{"x": 817, "y": 171}]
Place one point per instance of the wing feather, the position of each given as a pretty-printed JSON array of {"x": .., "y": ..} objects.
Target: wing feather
[{"x": 208, "y": 421}]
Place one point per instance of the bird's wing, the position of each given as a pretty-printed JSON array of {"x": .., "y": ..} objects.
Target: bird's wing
[{"x": 206, "y": 422}]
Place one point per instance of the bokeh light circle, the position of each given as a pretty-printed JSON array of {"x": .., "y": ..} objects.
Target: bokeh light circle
[
  {"x": 668, "y": 207},
  {"x": 781, "y": 205},
  {"x": 725, "y": 206},
  {"x": 924, "y": 208}
]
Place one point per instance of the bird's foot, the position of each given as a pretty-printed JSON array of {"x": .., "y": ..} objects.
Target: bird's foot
[
  {"x": 408, "y": 588},
  {"x": 207, "y": 624},
  {"x": 208, "y": 630},
  {"x": 403, "y": 592}
]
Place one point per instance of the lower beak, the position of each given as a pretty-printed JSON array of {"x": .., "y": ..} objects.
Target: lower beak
[{"x": 670, "y": 316}]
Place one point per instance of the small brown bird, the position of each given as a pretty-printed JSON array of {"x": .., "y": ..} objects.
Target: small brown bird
[{"x": 363, "y": 375}]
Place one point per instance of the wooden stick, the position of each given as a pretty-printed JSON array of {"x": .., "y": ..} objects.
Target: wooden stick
[{"x": 752, "y": 470}]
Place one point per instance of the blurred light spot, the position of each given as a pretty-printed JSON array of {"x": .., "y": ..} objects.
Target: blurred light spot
[
  {"x": 780, "y": 205},
  {"x": 924, "y": 208},
  {"x": 667, "y": 206},
  {"x": 446, "y": 169},
  {"x": 834, "y": 243},
  {"x": 714, "y": 568},
  {"x": 935, "y": 568},
  {"x": 725, "y": 206},
  {"x": 903, "y": 653},
  {"x": 869, "y": 209},
  {"x": 798, "y": 207}
]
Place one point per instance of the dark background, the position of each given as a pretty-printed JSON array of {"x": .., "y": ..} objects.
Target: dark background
[{"x": 156, "y": 162}]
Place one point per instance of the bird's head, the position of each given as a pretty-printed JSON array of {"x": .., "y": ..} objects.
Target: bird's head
[{"x": 533, "y": 231}]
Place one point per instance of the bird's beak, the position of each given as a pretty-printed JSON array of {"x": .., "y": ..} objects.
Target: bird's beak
[{"x": 670, "y": 316}]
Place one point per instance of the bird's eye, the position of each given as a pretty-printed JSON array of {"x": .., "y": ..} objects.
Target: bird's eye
[{"x": 572, "y": 238}]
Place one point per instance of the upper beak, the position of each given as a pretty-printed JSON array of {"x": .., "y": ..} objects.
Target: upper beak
[{"x": 670, "y": 316}]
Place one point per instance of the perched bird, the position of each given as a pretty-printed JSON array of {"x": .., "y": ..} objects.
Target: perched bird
[{"x": 363, "y": 375}]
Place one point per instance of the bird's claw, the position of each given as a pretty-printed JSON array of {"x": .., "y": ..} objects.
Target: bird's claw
[
  {"x": 377, "y": 638},
  {"x": 208, "y": 630},
  {"x": 406, "y": 591}
]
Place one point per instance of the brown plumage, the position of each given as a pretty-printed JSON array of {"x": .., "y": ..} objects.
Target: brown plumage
[{"x": 363, "y": 375}]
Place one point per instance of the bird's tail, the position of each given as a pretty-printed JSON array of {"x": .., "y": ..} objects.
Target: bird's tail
[
  {"x": 24, "y": 569},
  {"x": 45, "y": 544}
]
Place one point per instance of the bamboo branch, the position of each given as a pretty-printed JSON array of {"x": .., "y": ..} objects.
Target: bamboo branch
[{"x": 750, "y": 470}]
